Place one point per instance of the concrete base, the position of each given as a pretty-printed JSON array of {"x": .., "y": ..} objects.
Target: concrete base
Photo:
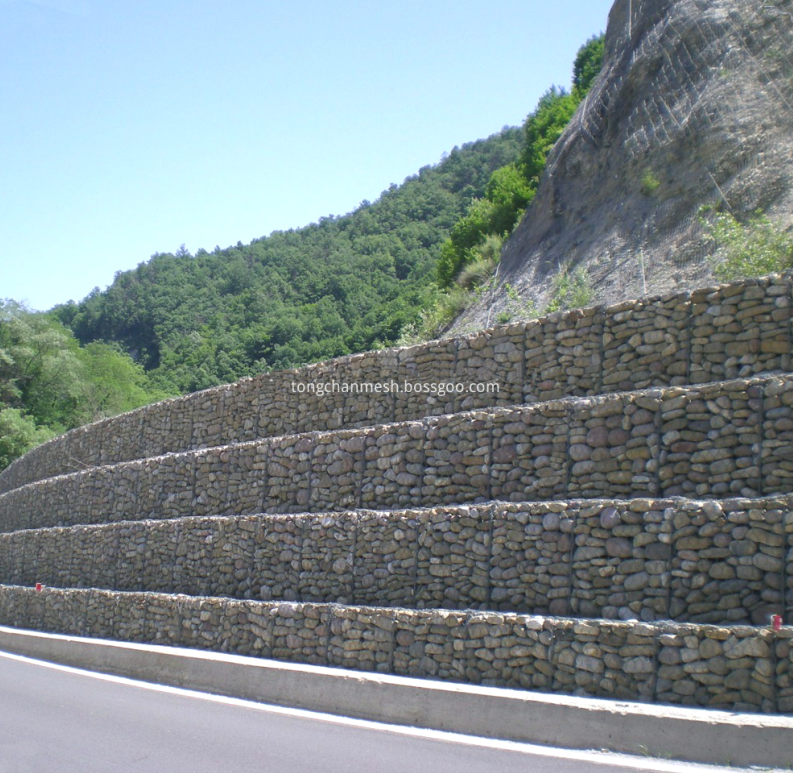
[{"x": 695, "y": 735}]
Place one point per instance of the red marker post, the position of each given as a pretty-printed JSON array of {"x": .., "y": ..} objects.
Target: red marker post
[
  {"x": 38, "y": 586},
  {"x": 776, "y": 622}
]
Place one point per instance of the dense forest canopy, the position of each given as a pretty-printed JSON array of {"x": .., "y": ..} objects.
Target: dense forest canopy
[
  {"x": 181, "y": 322},
  {"x": 345, "y": 284}
]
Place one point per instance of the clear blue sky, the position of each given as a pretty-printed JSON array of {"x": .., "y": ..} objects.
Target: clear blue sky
[{"x": 130, "y": 127}]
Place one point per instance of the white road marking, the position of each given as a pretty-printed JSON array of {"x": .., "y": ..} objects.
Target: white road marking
[{"x": 593, "y": 757}]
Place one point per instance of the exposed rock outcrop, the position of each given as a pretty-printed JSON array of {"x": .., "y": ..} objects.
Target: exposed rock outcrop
[{"x": 694, "y": 106}]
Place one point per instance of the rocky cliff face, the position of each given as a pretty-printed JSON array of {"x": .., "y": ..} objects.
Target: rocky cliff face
[{"x": 694, "y": 106}]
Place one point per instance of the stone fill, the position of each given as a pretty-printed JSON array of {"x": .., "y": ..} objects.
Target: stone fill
[
  {"x": 615, "y": 521},
  {"x": 747, "y": 668},
  {"x": 645, "y": 559},
  {"x": 736, "y": 330}
]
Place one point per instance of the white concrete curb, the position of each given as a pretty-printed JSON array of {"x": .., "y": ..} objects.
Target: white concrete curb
[{"x": 695, "y": 735}]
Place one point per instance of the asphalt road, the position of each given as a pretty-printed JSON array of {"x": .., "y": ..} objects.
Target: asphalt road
[{"x": 59, "y": 720}]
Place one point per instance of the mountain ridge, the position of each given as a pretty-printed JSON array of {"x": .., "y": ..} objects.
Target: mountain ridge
[{"x": 345, "y": 284}]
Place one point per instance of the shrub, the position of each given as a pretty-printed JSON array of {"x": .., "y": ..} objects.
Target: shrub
[
  {"x": 484, "y": 261},
  {"x": 650, "y": 182},
  {"x": 753, "y": 248},
  {"x": 570, "y": 291}
]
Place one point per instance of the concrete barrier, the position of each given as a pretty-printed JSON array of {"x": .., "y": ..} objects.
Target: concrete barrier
[{"x": 577, "y": 723}]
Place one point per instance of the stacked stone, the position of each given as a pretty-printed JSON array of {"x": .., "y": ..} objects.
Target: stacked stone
[
  {"x": 288, "y": 487},
  {"x": 17, "y": 513},
  {"x": 167, "y": 427},
  {"x": 457, "y": 459},
  {"x": 246, "y": 477},
  {"x": 731, "y": 668},
  {"x": 530, "y": 558},
  {"x": 783, "y": 652},
  {"x": 249, "y": 498},
  {"x": 337, "y": 468},
  {"x": 127, "y": 493},
  {"x": 563, "y": 355},
  {"x": 362, "y": 639},
  {"x": 111, "y": 441},
  {"x": 239, "y": 422},
  {"x": 277, "y": 560},
  {"x": 212, "y": 469},
  {"x": 427, "y": 364},
  {"x": 314, "y": 410},
  {"x": 740, "y": 329},
  {"x": 160, "y": 557},
  {"x": 131, "y": 557},
  {"x": 776, "y": 462},
  {"x": 193, "y": 557},
  {"x": 277, "y": 403},
  {"x": 731, "y": 331},
  {"x": 78, "y": 491},
  {"x": 327, "y": 551},
  {"x": 300, "y": 633},
  {"x": 646, "y": 343},
  {"x": 393, "y": 466},
  {"x": 604, "y": 659},
  {"x": 386, "y": 559},
  {"x": 431, "y": 643},
  {"x": 614, "y": 446},
  {"x": 166, "y": 489},
  {"x": 530, "y": 455},
  {"x": 209, "y": 417},
  {"x": 727, "y": 668},
  {"x": 365, "y": 408},
  {"x": 621, "y": 561},
  {"x": 633, "y": 560},
  {"x": 452, "y": 558},
  {"x": 230, "y": 555},
  {"x": 788, "y": 584},
  {"x": 491, "y": 357},
  {"x": 728, "y": 560},
  {"x": 509, "y": 650},
  {"x": 712, "y": 440}
]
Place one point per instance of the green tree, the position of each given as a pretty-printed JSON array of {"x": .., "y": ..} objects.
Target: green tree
[
  {"x": 512, "y": 187},
  {"x": 112, "y": 382},
  {"x": 543, "y": 127},
  {"x": 507, "y": 194},
  {"x": 18, "y": 434},
  {"x": 39, "y": 366},
  {"x": 510, "y": 192},
  {"x": 49, "y": 384},
  {"x": 588, "y": 63},
  {"x": 341, "y": 285}
]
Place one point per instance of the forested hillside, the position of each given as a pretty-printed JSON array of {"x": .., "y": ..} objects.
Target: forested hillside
[
  {"x": 391, "y": 271},
  {"x": 345, "y": 284}
]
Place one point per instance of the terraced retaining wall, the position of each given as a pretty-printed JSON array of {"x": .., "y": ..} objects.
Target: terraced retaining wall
[
  {"x": 716, "y": 440},
  {"x": 643, "y": 559},
  {"x": 736, "y": 668},
  {"x": 725, "y": 332}
]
